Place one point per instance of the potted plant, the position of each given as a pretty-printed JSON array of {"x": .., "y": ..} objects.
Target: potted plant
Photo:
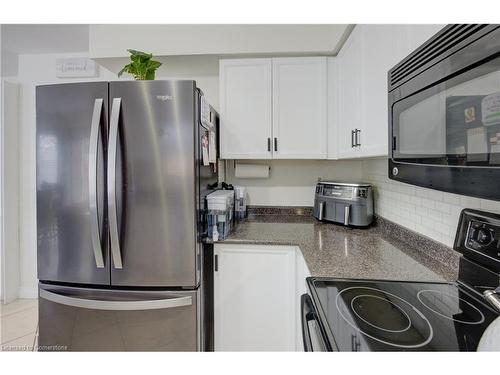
[{"x": 142, "y": 66}]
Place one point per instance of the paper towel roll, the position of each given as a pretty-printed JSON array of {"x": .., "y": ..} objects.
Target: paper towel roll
[{"x": 251, "y": 171}]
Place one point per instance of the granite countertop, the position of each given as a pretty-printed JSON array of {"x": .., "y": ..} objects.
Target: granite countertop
[{"x": 383, "y": 251}]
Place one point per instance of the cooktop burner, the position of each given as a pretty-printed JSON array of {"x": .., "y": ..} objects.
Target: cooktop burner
[
  {"x": 368, "y": 315},
  {"x": 450, "y": 306},
  {"x": 383, "y": 317}
]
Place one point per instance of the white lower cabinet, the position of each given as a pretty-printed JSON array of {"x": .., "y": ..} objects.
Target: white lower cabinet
[{"x": 256, "y": 297}]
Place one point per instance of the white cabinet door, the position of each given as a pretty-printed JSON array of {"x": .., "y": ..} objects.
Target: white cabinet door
[
  {"x": 380, "y": 53},
  {"x": 299, "y": 108},
  {"x": 255, "y": 298},
  {"x": 350, "y": 105},
  {"x": 332, "y": 107},
  {"x": 246, "y": 108}
]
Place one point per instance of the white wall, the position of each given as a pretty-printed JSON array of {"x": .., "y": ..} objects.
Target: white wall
[
  {"x": 292, "y": 182},
  {"x": 10, "y": 190},
  {"x": 38, "y": 69},
  {"x": 430, "y": 212}
]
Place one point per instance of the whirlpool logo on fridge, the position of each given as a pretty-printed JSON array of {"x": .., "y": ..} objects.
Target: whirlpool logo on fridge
[{"x": 164, "y": 98}]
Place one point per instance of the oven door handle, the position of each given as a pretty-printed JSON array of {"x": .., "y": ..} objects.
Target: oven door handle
[{"x": 309, "y": 314}]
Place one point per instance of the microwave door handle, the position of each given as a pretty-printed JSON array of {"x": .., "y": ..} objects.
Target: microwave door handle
[
  {"x": 352, "y": 139},
  {"x": 93, "y": 204},
  {"x": 112, "y": 210}
]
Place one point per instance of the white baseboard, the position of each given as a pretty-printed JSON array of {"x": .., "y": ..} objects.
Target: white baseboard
[{"x": 28, "y": 292}]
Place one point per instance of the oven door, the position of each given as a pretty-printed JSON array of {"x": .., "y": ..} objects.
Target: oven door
[
  {"x": 445, "y": 125},
  {"x": 312, "y": 335}
]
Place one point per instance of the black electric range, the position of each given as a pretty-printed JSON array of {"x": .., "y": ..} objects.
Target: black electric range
[{"x": 376, "y": 315}]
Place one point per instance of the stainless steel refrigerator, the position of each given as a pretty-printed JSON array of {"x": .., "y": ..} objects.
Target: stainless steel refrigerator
[{"x": 121, "y": 187}]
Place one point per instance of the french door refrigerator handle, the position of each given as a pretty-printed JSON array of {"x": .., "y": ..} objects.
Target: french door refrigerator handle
[
  {"x": 98, "y": 304},
  {"x": 111, "y": 177},
  {"x": 93, "y": 209}
]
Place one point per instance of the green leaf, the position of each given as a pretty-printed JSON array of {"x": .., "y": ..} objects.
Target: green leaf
[{"x": 142, "y": 65}]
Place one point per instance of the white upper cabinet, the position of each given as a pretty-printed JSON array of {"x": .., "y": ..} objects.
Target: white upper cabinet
[
  {"x": 246, "y": 108},
  {"x": 274, "y": 108},
  {"x": 382, "y": 50},
  {"x": 361, "y": 87},
  {"x": 348, "y": 88},
  {"x": 315, "y": 107},
  {"x": 299, "y": 108},
  {"x": 332, "y": 107}
]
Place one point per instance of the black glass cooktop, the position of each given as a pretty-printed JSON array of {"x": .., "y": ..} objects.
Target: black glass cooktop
[{"x": 367, "y": 315}]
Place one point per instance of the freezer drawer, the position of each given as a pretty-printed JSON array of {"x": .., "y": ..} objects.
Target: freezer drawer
[{"x": 84, "y": 319}]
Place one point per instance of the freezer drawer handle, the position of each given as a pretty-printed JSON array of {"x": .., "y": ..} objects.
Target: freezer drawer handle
[
  {"x": 95, "y": 304},
  {"x": 93, "y": 209},
  {"x": 112, "y": 148}
]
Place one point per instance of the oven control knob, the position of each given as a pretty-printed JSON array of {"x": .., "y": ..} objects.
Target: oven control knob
[
  {"x": 484, "y": 236},
  {"x": 395, "y": 171}
]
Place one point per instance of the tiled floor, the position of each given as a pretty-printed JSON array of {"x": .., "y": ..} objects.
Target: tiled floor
[{"x": 19, "y": 325}]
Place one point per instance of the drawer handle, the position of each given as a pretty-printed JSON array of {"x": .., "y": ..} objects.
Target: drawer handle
[{"x": 96, "y": 304}]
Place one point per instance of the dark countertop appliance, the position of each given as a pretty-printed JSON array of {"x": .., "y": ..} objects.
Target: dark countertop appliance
[
  {"x": 350, "y": 204},
  {"x": 444, "y": 113},
  {"x": 376, "y": 315}
]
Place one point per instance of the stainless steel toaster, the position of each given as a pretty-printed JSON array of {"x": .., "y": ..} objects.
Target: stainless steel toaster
[{"x": 345, "y": 203}]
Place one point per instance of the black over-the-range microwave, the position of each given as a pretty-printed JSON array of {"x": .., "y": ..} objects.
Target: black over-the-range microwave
[{"x": 444, "y": 113}]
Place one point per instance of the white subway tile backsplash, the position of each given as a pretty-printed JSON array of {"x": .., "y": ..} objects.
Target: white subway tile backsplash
[
  {"x": 429, "y": 203},
  {"x": 451, "y": 198},
  {"x": 443, "y": 207},
  {"x": 488, "y": 205},
  {"x": 469, "y": 201},
  {"x": 430, "y": 212}
]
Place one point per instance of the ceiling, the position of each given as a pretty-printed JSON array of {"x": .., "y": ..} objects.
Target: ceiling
[
  {"x": 21, "y": 39},
  {"x": 186, "y": 40}
]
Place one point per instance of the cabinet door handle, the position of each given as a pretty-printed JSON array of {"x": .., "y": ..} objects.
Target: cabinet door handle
[
  {"x": 352, "y": 139},
  {"x": 358, "y": 133},
  {"x": 269, "y": 144},
  {"x": 275, "y": 144}
]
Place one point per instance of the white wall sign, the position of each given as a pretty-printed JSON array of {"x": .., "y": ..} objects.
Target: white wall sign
[{"x": 76, "y": 67}]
